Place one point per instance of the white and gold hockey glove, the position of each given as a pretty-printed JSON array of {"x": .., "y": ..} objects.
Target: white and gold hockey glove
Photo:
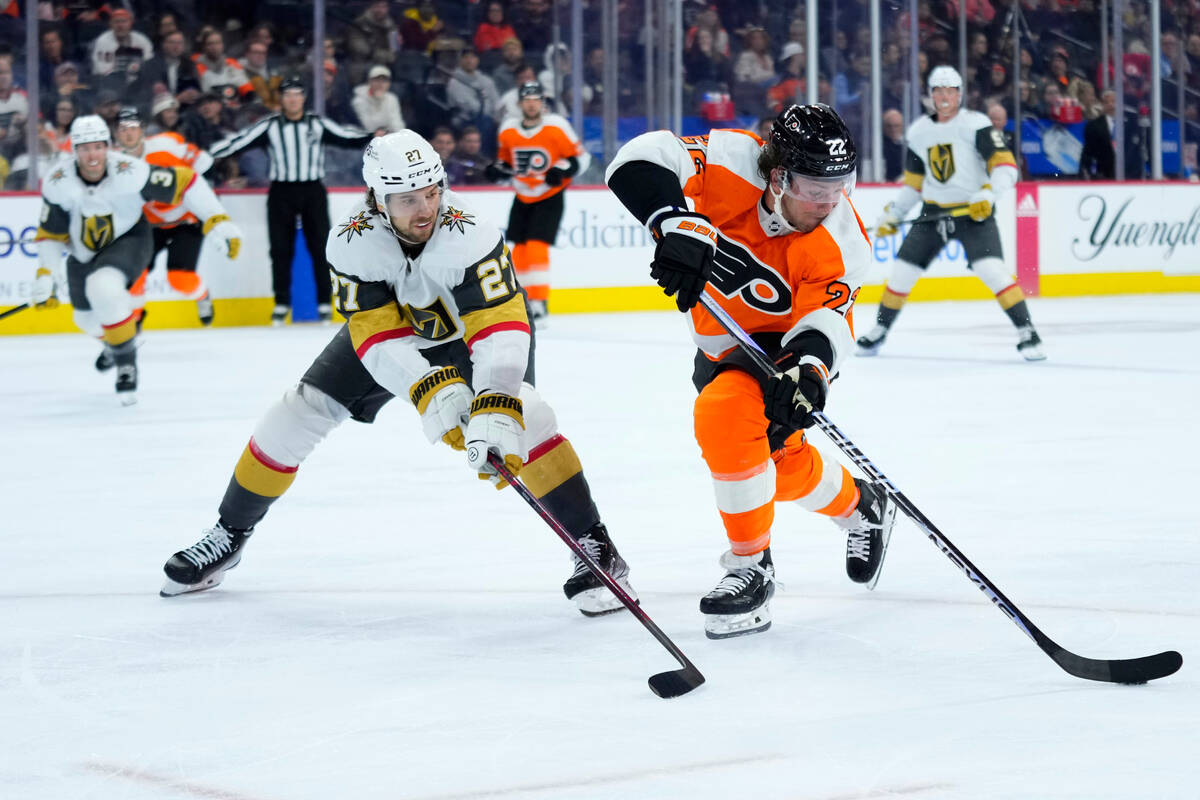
[
  {"x": 443, "y": 399},
  {"x": 979, "y": 206},
  {"x": 41, "y": 294},
  {"x": 497, "y": 425},
  {"x": 888, "y": 223},
  {"x": 228, "y": 236}
]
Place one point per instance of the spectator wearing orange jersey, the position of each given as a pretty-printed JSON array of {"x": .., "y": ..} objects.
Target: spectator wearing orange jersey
[
  {"x": 538, "y": 154},
  {"x": 771, "y": 231}
]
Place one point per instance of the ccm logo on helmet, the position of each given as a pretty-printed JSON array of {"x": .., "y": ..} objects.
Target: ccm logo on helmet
[{"x": 412, "y": 176}]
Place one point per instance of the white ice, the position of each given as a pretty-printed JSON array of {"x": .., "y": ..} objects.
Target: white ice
[{"x": 397, "y": 629}]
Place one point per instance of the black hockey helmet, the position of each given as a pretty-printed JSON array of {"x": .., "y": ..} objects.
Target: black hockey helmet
[
  {"x": 813, "y": 141},
  {"x": 129, "y": 115},
  {"x": 810, "y": 154},
  {"x": 530, "y": 89}
]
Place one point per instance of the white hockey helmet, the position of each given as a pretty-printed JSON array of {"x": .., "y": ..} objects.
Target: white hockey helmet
[
  {"x": 945, "y": 76},
  {"x": 90, "y": 128},
  {"x": 401, "y": 162}
]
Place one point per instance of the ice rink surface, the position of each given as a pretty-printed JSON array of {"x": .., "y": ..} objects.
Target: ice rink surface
[{"x": 397, "y": 630}]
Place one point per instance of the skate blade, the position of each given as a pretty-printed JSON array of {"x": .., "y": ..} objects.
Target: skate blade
[
  {"x": 888, "y": 523},
  {"x": 171, "y": 588},
  {"x": 727, "y": 626},
  {"x": 600, "y": 601},
  {"x": 867, "y": 352},
  {"x": 1034, "y": 353},
  {"x": 127, "y": 398}
]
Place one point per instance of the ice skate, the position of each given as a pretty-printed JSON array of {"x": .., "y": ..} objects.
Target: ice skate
[
  {"x": 870, "y": 342},
  {"x": 538, "y": 314},
  {"x": 324, "y": 312},
  {"x": 868, "y": 531},
  {"x": 279, "y": 315},
  {"x": 591, "y": 596},
  {"x": 204, "y": 564},
  {"x": 105, "y": 361},
  {"x": 127, "y": 379},
  {"x": 1029, "y": 344},
  {"x": 204, "y": 309},
  {"x": 739, "y": 604}
]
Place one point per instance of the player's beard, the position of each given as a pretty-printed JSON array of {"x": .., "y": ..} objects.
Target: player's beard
[{"x": 414, "y": 235}]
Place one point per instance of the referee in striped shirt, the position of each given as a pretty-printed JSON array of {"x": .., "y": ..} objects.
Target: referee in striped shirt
[{"x": 295, "y": 140}]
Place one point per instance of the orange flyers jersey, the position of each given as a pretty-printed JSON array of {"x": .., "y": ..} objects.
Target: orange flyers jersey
[
  {"x": 169, "y": 149},
  {"x": 532, "y": 151},
  {"x": 785, "y": 283}
]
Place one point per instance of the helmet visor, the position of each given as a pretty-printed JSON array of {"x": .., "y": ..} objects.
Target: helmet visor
[{"x": 817, "y": 190}]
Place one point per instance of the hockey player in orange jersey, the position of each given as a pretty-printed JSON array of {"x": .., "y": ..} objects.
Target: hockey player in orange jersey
[
  {"x": 174, "y": 229},
  {"x": 771, "y": 231},
  {"x": 539, "y": 153}
]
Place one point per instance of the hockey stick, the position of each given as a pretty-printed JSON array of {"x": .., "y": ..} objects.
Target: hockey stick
[
  {"x": 14, "y": 310},
  {"x": 958, "y": 212},
  {"x": 1130, "y": 670},
  {"x": 664, "y": 684}
]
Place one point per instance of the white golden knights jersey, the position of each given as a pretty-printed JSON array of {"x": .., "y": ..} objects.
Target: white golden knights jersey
[
  {"x": 947, "y": 162},
  {"x": 89, "y": 217},
  {"x": 459, "y": 287}
]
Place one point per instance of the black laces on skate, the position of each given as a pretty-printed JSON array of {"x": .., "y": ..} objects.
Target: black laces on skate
[{"x": 215, "y": 544}]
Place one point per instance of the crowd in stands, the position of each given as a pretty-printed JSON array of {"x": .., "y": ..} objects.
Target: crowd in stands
[{"x": 450, "y": 68}]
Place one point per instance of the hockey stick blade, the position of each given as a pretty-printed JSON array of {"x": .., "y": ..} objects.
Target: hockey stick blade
[
  {"x": 1130, "y": 671},
  {"x": 664, "y": 684},
  {"x": 676, "y": 682},
  {"x": 1125, "y": 670}
]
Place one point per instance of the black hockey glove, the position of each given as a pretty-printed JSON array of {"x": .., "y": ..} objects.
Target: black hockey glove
[
  {"x": 555, "y": 176},
  {"x": 498, "y": 172},
  {"x": 683, "y": 258},
  {"x": 793, "y": 395}
]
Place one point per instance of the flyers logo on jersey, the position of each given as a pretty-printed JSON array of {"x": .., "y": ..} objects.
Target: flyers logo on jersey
[
  {"x": 737, "y": 271},
  {"x": 97, "y": 231},
  {"x": 431, "y": 322},
  {"x": 941, "y": 161},
  {"x": 530, "y": 160}
]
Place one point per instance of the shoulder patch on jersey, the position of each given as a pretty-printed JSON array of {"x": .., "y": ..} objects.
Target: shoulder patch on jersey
[
  {"x": 355, "y": 225},
  {"x": 124, "y": 166},
  {"x": 455, "y": 218},
  {"x": 58, "y": 175},
  {"x": 736, "y": 151}
]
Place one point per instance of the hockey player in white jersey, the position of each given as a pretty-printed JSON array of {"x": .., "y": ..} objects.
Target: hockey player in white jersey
[
  {"x": 92, "y": 213},
  {"x": 435, "y": 314},
  {"x": 958, "y": 164}
]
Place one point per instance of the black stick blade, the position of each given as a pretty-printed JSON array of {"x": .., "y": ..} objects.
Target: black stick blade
[
  {"x": 1128, "y": 670},
  {"x": 676, "y": 682}
]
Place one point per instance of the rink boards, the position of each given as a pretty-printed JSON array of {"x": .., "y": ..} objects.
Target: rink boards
[{"x": 1062, "y": 239}]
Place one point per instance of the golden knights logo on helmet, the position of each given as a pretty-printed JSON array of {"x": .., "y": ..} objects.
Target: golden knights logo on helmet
[
  {"x": 97, "y": 231},
  {"x": 941, "y": 161}
]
